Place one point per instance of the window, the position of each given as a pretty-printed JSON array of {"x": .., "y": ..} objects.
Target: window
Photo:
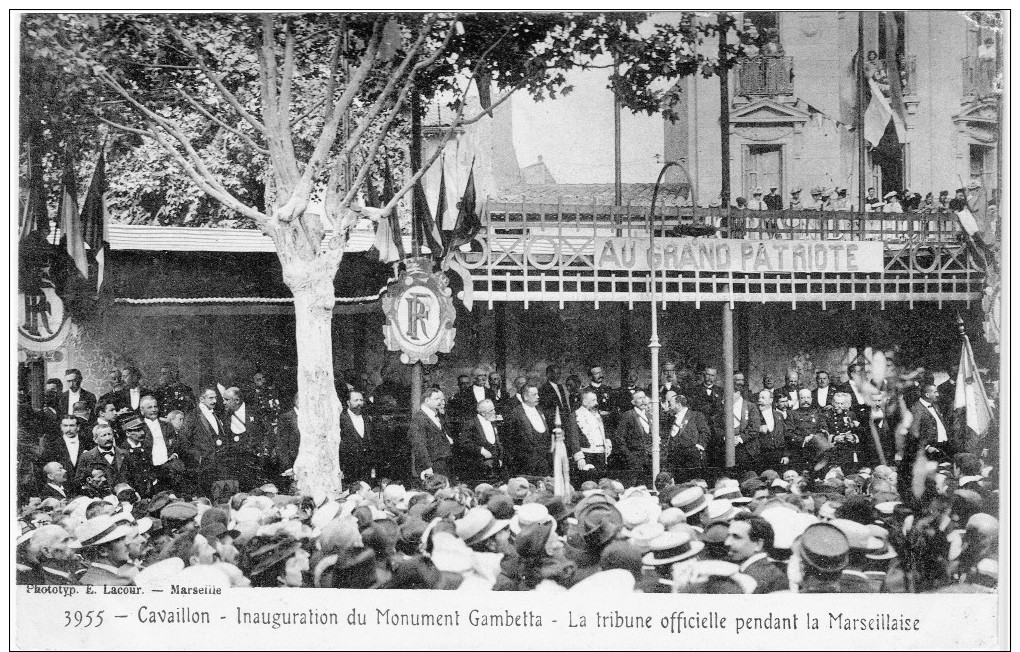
[{"x": 767, "y": 25}]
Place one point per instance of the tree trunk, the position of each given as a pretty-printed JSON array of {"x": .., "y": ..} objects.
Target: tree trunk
[{"x": 317, "y": 466}]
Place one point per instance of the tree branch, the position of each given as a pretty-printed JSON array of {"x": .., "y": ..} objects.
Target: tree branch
[
  {"x": 243, "y": 136},
  {"x": 215, "y": 79},
  {"x": 301, "y": 118}
]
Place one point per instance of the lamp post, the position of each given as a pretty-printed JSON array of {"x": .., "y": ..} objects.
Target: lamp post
[{"x": 653, "y": 343}]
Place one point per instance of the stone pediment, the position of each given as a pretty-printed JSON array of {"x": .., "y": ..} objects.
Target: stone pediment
[
  {"x": 982, "y": 112},
  {"x": 765, "y": 111}
]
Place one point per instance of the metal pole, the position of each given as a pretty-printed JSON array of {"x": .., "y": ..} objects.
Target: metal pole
[
  {"x": 727, "y": 339},
  {"x": 862, "y": 170},
  {"x": 653, "y": 343},
  {"x": 417, "y": 372},
  {"x": 617, "y": 149},
  {"x": 724, "y": 117}
]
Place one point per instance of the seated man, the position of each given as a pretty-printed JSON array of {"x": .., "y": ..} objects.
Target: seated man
[{"x": 111, "y": 460}]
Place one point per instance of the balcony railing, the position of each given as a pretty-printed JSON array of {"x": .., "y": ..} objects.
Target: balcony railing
[
  {"x": 601, "y": 220},
  {"x": 765, "y": 75},
  {"x": 980, "y": 76}
]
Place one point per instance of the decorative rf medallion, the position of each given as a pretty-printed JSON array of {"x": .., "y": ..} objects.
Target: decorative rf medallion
[{"x": 419, "y": 314}]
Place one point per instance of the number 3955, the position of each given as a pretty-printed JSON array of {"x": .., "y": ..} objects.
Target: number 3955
[{"x": 83, "y": 618}]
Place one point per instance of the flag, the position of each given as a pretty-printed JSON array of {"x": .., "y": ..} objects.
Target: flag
[
  {"x": 387, "y": 195},
  {"x": 877, "y": 115},
  {"x": 468, "y": 225},
  {"x": 444, "y": 216},
  {"x": 892, "y": 67},
  {"x": 424, "y": 226},
  {"x": 93, "y": 218},
  {"x": 33, "y": 207},
  {"x": 971, "y": 402},
  {"x": 70, "y": 223}
]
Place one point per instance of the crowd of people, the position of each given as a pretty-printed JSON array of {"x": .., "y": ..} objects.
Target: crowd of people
[
  {"x": 542, "y": 486},
  {"x": 836, "y": 198}
]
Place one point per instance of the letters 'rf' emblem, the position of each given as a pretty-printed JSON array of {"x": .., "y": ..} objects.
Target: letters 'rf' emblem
[{"x": 419, "y": 314}]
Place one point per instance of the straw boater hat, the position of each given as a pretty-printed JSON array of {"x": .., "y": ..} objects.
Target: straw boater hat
[
  {"x": 478, "y": 524},
  {"x": 858, "y": 536},
  {"x": 758, "y": 191},
  {"x": 528, "y": 515},
  {"x": 690, "y": 501},
  {"x": 882, "y": 534},
  {"x": 721, "y": 510},
  {"x": 671, "y": 547},
  {"x": 890, "y": 194},
  {"x": 101, "y": 529}
]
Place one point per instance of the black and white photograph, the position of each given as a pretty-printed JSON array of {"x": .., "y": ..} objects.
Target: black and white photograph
[{"x": 472, "y": 328}]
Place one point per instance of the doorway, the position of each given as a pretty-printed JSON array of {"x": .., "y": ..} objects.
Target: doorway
[{"x": 763, "y": 168}]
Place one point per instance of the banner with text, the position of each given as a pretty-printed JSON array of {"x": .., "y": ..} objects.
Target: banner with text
[{"x": 719, "y": 255}]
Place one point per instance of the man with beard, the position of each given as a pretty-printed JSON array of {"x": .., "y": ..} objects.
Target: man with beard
[
  {"x": 845, "y": 431},
  {"x": 357, "y": 445},
  {"x": 245, "y": 439},
  {"x": 431, "y": 444},
  {"x": 669, "y": 380},
  {"x": 552, "y": 395},
  {"x": 164, "y": 445},
  {"x": 54, "y": 552},
  {"x": 172, "y": 394},
  {"x": 112, "y": 460},
  {"x": 129, "y": 398},
  {"x": 708, "y": 399},
  {"x": 203, "y": 434},
  {"x": 790, "y": 389},
  {"x": 140, "y": 474},
  {"x": 809, "y": 438},
  {"x": 687, "y": 439},
  {"x": 527, "y": 437},
  {"x": 479, "y": 451},
  {"x": 603, "y": 394},
  {"x": 770, "y": 426},
  {"x": 587, "y": 443}
]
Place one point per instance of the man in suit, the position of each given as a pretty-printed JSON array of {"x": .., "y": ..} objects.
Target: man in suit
[
  {"x": 588, "y": 444},
  {"x": 50, "y": 415},
  {"x": 789, "y": 390},
  {"x": 462, "y": 404},
  {"x": 163, "y": 447},
  {"x": 552, "y": 395},
  {"x": 105, "y": 455},
  {"x": 244, "y": 441},
  {"x": 625, "y": 395},
  {"x": 603, "y": 394},
  {"x": 669, "y": 380},
  {"x": 130, "y": 396},
  {"x": 708, "y": 399},
  {"x": 104, "y": 547},
  {"x": 686, "y": 440},
  {"x": 284, "y": 444},
  {"x": 114, "y": 377},
  {"x": 769, "y": 423},
  {"x": 204, "y": 434},
  {"x": 431, "y": 444},
  {"x": 634, "y": 436},
  {"x": 479, "y": 451},
  {"x": 499, "y": 393},
  {"x": 75, "y": 393},
  {"x": 748, "y": 539},
  {"x": 821, "y": 395},
  {"x": 140, "y": 470},
  {"x": 807, "y": 422},
  {"x": 172, "y": 394},
  {"x": 928, "y": 430},
  {"x": 844, "y": 429},
  {"x": 66, "y": 448},
  {"x": 357, "y": 444},
  {"x": 527, "y": 437},
  {"x": 56, "y": 482}
]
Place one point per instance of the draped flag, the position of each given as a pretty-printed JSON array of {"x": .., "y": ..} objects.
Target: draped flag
[
  {"x": 971, "y": 401},
  {"x": 94, "y": 219},
  {"x": 425, "y": 227},
  {"x": 70, "y": 223},
  {"x": 33, "y": 208},
  {"x": 468, "y": 224},
  {"x": 444, "y": 216}
]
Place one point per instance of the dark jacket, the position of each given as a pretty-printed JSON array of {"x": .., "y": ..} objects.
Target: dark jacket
[
  {"x": 527, "y": 450},
  {"x": 116, "y": 472},
  {"x": 86, "y": 396},
  {"x": 429, "y": 443},
  {"x": 681, "y": 449},
  {"x": 633, "y": 442},
  {"x": 357, "y": 452},
  {"x": 469, "y": 445}
]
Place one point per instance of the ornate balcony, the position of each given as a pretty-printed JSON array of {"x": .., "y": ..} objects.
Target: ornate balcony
[
  {"x": 765, "y": 75},
  {"x": 980, "y": 77}
]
